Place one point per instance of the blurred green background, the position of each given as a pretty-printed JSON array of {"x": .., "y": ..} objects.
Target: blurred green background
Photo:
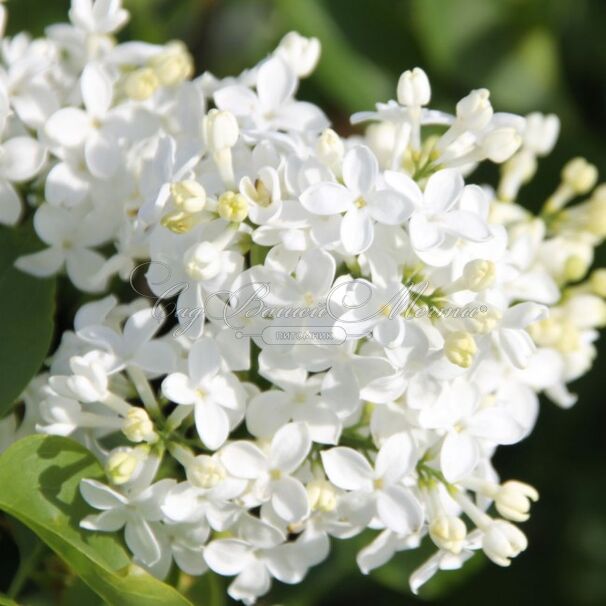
[{"x": 533, "y": 55}]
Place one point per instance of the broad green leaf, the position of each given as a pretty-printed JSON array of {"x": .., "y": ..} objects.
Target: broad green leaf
[
  {"x": 5, "y": 601},
  {"x": 347, "y": 76},
  {"x": 43, "y": 473},
  {"x": 26, "y": 318}
]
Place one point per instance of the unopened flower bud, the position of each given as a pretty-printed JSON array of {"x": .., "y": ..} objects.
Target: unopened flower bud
[
  {"x": 141, "y": 84},
  {"x": 121, "y": 465},
  {"x": 138, "y": 427},
  {"x": 503, "y": 541},
  {"x": 460, "y": 348},
  {"x": 220, "y": 130},
  {"x": 205, "y": 472},
  {"x": 321, "y": 495},
  {"x": 188, "y": 195},
  {"x": 202, "y": 261},
  {"x": 449, "y": 533},
  {"x": 579, "y": 175},
  {"x": 174, "y": 65},
  {"x": 413, "y": 88},
  {"x": 597, "y": 282},
  {"x": 300, "y": 53},
  {"x": 500, "y": 144},
  {"x": 575, "y": 268},
  {"x": 513, "y": 500},
  {"x": 474, "y": 111},
  {"x": 478, "y": 275},
  {"x": 232, "y": 207},
  {"x": 596, "y": 216},
  {"x": 330, "y": 149},
  {"x": 541, "y": 132}
]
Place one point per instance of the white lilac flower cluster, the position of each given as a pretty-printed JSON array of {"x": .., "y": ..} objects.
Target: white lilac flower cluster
[{"x": 450, "y": 307}]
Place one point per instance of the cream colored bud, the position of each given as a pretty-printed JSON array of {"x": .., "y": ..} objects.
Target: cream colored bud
[
  {"x": 188, "y": 195},
  {"x": 575, "y": 268},
  {"x": 460, "y": 348},
  {"x": 321, "y": 495},
  {"x": 484, "y": 321},
  {"x": 474, "y": 111},
  {"x": 513, "y": 499},
  {"x": 596, "y": 216},
  {"x": 202, "y": 261},
  {"x": 330, "y": 148},
  {"x": 449, "y": 533},
  {"x": 121, "y": 466},
  {"x": 579, "y": 175},
  {"x": 597, "y": 282},
  {"x": 138, "y": 427},
  {"x": 478, "y": 275},
  {"x": 174, "y": 65},
  {"x": 205, "y": 472},
  {"x": 141, "y": 84},
  {"x": 500, "y": 144},
  {"x": 220, "y": 130},
  {"x": 414, "y": 89},
  {"x": 232, "y": 207},
  {"x": 300, "y": 53}
]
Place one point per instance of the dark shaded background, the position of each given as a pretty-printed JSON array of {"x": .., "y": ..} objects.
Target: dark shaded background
[{"x": 533, "y": 55}]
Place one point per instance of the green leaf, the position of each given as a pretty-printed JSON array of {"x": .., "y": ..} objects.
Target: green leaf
[
  {"x": 346, "y": 75},
  {"x": 43, "y": 473},
  {"x": 26, "y": 318},
  {"x": 6, "y": 601}
]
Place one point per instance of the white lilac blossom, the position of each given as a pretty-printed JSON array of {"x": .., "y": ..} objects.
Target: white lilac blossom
[{"x": 333, "y": 334}]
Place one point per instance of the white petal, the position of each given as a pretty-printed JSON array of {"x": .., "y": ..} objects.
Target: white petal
[
  {"x": 316, "y": 271},
  {"x": 496, "y": 425},
  {"x": 289, "y": 499},
  {"x": 424, "y": 234},
  {"x": 396, "y": 458},
  {"x": 21, "y": 159},
  {"x": 289, "y": 447},
  {"x": 466, "y": 225},
  {"x": 443, "y": 189},
  {"x": 227, "y": 556},
  {"x": 347, "y": 469},
  {"x": 388, "y": 207},
  {"x": 252, "y": 582},
  {"x": 142, "y": 326},
  {"x": 97, "y": 90},
  {"x": 176, "y": 387},
  {"x": 517, "y": 345},
  {"x": 65, "y": 187},
  {"x": 458, "y": 456},
  {"x": 204, "y": 360},
  {"x": 404, "y": 185},
  {"x": 142, "y": 541},
  {"x": 326, "y": 198},
  {"x": 100, "y": 496},
  {"x": 239, "y": 100},
  {"x": 11, "y": 206},
  {"x": 108, "y": 521},
  {"x": 360, "y": 169},
  {"x": 82, "y": 266},
  {"x": 267, "y": 412},
  {"x": 276, "y": 83},
  {"x": 244, "y": 460},
  {"x": 357, "y": 231},
  {"x": 399, "y": 510},
  {"x": 323, "y": 424},
  {"x": 41, "y": 264},
  {"x": 212, "y": 424},
  {"x": 102, "y": 155},
  {"x": 69, "y": 127}
]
